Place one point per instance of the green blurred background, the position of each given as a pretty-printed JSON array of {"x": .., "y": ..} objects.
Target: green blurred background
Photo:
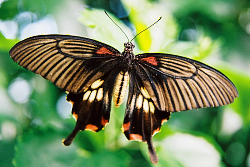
[{"x": 35, "y": 117}]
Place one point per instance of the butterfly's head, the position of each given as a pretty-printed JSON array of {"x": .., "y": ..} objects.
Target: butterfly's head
[{"x": 128, "y": 47}]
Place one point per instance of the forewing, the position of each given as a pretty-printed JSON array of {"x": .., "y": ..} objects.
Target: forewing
[
  {"x": 176, "y": 83},
  {"x": 70, "y": 62},
  {"x": 142, "y": 119}
]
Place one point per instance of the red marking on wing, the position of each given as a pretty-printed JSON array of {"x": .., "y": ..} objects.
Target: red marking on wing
[
  {"x": 164, "y": 120},
  {"x": 126, "y": 126},
  {"x": 104, "y": 121},
  {"x": 75, "y": 116},
  {"x": 150, "y": 60},
  {"x": 91, "y": 127},
  {"x": 135, "y": 137},
  {"x": 156, "y": 130},
  {"x": 71, "y": 102},
  {"x": 104, "y": 51}
]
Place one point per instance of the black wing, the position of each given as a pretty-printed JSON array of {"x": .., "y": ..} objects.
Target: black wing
[
  {"x": 91, "y": 109},
  {"x": 84, "y": 67},
  {"x": 176, "y": 83},
  {"x": 70, "y": 62},
  {"x": 163, "y": 83},
  {"x": 142, "y": 119}
]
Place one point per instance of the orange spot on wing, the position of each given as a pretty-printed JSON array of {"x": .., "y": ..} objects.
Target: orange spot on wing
[
  {"x": 150, "y": 60},
  {"x": 75, "y": 116},
  {"x": 71, "y": 102},
  {"x": 156, "y": 130},
  {"x": 104, "y": 121},
  {"x": 104, "y": 51},
  {"x": 91, "y": 127},
  {"x": 126, "y": 126},
  {"x": 135, "y": 137},
  {"x": 164, "y": 120}
]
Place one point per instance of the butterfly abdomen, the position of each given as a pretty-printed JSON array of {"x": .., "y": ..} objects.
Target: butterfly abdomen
[{"x": 121, "y": 84}]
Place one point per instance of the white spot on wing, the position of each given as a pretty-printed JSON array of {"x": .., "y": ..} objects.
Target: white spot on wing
[
  {"x": 151, "y": 107},
  {"x": 145, "y": 92},
  {"x": 92, "y": 96},
  {"x": 99, "y": 94},
  {"x": 139, "y": 102},
  {"x": 97, "y": 84},
  {"x": 145, "y": 106},
  {"x": 86, "y": 95}
]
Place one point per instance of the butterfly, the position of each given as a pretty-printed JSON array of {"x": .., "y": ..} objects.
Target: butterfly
[{"x": 93, "y": 72}]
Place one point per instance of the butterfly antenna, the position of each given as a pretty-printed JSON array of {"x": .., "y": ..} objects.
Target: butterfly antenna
[
  {"x": 145, "y": 29},
  {"x": 116, "y": 25}
]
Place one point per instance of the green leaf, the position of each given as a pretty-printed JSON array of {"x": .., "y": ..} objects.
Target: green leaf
[
  {"x": 241, "y": 80},
  {"x": 6, "y": 44},
  {"x": 101, "y": 28},
  {"x": 105, "y": 158},
  {"x": 144, "y": 40},
  {"x": 7, "y": 153},
  {"x": 8, "y": 9},
  {"x": 43, "y": 147},
  {"x": 187, "y": 150}
]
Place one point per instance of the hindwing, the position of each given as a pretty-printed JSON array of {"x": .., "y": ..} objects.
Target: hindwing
[
  {"x": 91, "y": 109},
  {"x": 142, "y": 119}
]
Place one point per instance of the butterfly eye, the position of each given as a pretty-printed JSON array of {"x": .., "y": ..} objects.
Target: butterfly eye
[{"x": 129, "y": 46}]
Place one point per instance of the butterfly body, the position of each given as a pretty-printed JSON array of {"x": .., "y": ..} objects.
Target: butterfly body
[{"x": 93, "y": 72}]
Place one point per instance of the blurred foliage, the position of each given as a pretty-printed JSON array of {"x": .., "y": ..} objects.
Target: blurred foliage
[{"x": 214, "y": 32}]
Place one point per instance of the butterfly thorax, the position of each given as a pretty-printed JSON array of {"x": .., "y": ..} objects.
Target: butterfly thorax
[{"x": 128, "y": 55}]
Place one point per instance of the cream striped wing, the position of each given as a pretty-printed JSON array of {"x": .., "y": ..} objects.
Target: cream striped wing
[
  {"x": 176, "y": 83},
  {"x": 70, "y": 62}
]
